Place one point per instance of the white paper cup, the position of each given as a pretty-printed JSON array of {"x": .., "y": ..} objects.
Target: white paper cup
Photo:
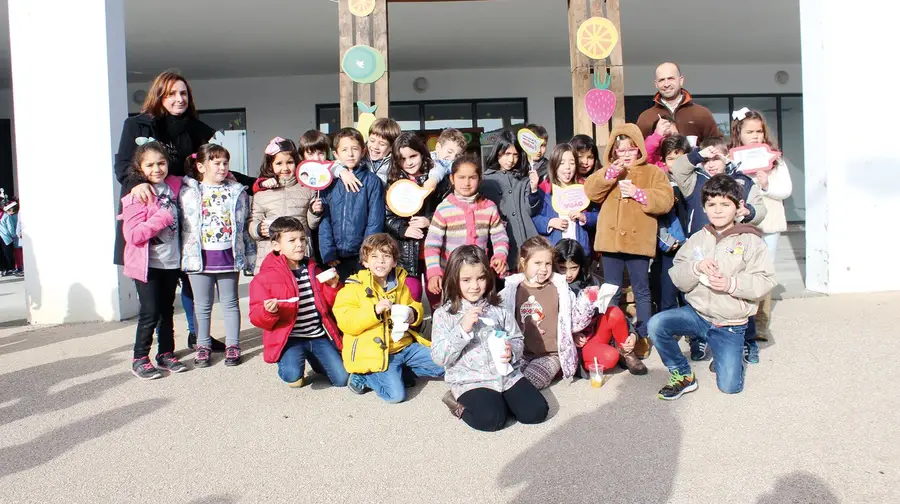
[
  {"x": 624, "y": 182},
  {"x": 692, "y": 139},
  {"x": 326, "y": 275},
  {"x": 400, "y": 313},
  {"x": 497, "y": 346},
  {"x": 399, "y": 331}
]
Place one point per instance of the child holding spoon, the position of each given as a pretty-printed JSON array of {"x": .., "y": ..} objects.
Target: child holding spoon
[{"x": 291, "y": 300}]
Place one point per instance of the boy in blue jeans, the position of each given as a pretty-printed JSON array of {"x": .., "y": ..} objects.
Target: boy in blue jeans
[
  {"x": 379, "y": 318},
  {"x": 724, "y": 270}
]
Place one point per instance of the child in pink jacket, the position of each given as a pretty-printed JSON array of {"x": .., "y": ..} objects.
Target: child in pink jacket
[
  {"x": 153, "y": 259},
  {"x": 662, "y": 128}
]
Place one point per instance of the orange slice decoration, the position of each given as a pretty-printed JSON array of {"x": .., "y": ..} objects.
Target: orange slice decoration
[{"x": 597, "y": 37}]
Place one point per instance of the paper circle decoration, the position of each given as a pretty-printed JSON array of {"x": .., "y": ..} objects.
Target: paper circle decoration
[
  {"x": 315, "y": 175},
  {"x": 405, "y": 197},
  {"x": 596, "y": 37},
  {"x": 432, "y": 142},
  {"x": 362, "y": 8},
  {"x": 529, "y": 141},
  {"x": 363, "y": 64},
  {"x": 569, "y": 199}
]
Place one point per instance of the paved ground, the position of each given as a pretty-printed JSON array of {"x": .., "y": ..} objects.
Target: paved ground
[{"x": 817, "y": 424}]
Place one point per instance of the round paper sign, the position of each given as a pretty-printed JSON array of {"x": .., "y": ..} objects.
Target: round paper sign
[
  {"x": 405, "y": 197},
  {"x": 315, "y": 175},
  {"x": 530, "y": 142},
  {"x": 569, "y": 199},
  {"x": 363, "y": 64}
]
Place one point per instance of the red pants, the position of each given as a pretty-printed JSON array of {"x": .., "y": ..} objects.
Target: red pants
[
  {"x": 17, "y": 253},
  {"x": 611, "y": 326}
]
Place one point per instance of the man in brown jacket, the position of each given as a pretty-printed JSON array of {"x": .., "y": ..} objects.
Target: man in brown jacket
[{"x": 692, "y": 119}]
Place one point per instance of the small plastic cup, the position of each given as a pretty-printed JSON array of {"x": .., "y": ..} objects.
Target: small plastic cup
[
  {"x": 692, "y": 139},
  {"x": 596, "y": 371},
  {"x": 624, "y": 182}
]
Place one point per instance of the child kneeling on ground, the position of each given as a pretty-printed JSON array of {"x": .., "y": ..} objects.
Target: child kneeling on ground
[
  {"x": 486, "y": 382},
  {"x": 724, "y": 270},
  {"x": 377, "y": 314},
  {"x": 293, "y": 308}
]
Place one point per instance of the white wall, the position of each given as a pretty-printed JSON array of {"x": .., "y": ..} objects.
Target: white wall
[
  {"x": 852, "y": 188},
  {"x": 286, "y": 106}
]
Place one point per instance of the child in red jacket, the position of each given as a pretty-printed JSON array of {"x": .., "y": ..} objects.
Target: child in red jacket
[{"x": 292, "y": 305}]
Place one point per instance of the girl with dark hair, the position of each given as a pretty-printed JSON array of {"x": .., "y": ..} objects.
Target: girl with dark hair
[
  {"x": 412, "y": 161},
  {"x": 484, "y": 388},
  {"x": 288, "y": 198},
  {"x": 213, "y": 226},
  {"x": 514, "y": 189}
]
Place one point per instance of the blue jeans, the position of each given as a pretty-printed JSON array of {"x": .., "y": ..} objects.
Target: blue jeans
[
  {"x": 638, "y": 272},
  {"x": 322, "y": 355},
  {"x": 726, "y": 344},
  {"x": 388, "y": 384}
]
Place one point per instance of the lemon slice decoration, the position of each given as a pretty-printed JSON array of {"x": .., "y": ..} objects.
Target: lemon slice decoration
[
  {"x": 596, "y": 38},
  {"x": 362, "y": 8}
]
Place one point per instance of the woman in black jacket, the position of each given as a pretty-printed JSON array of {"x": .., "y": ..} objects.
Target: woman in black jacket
[{"x": 169, "y": 116}]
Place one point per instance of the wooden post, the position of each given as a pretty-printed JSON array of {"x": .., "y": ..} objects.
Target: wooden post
[
  {"x": 363, "y": 36},
  {"x": 581, "y": 70},
  {"x": 345, "y": 29},
  {"x": 617, "y": 68},
  {"x": 380, "y": 33},
  {"x": 601, "y": 131}
]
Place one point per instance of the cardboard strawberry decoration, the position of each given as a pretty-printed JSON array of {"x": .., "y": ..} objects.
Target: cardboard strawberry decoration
[{"x": 600, "y": 102}]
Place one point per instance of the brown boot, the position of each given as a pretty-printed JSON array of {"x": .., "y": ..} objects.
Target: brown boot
[
  {"x": 455, "y": 408},
  {"x": 633, "y": 364},
  {"x": 642, "y": 348}
]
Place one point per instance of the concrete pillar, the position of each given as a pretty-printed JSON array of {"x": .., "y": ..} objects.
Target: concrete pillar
[
  {"x": 69, "y": 97},
  {"x": 852, "y": 155}
]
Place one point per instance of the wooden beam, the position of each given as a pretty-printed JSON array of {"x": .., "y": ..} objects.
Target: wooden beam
[
  {"x": 617, "y": 69},
  {"x": 380, "y": 35},
  {"x": 363, "y": 36},
  {"x": 601, "y": 131},
  {"x": 581, "y": 71},
  {"x": 345, "y": 33}
]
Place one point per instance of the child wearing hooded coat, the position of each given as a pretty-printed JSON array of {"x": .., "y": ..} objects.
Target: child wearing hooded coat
[{"x": 631, "y": 194}]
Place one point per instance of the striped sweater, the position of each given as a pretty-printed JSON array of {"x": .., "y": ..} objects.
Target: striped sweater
[{"x": 457, "y": 222}]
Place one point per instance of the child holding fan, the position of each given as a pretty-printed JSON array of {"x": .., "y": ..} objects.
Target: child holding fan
[
  {"x": 486, "y": 383},
  {"x": 214, "y": 210},
  {"x": 551, "y": 223},
  {"x": 632, "y": 195},
  {"x": 412, "y": 161},
  {"x": 287, "y": 198},
  {"x": 153, "y": 259},
  {"x": 464, "y": 218},
  {"x": 748, "y": 128}
]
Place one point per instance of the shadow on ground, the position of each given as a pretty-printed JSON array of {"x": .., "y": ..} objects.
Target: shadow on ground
[
  {"x": 624, "y": 452},
  {"x": 48, "y": 446},
  {"x": 29, "y": 392},
  {"x": 799, "y": 488},
  {"x": 31, "y": 338}
]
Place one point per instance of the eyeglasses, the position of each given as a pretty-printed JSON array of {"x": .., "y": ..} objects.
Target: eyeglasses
[{"x": 632, "y": 150}]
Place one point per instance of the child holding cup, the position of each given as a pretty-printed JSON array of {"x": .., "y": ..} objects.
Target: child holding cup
[
  {"x": 480, "y": 346},
  {"x": 377, "y": 314}
]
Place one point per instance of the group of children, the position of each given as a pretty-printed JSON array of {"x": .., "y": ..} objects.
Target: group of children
[{"x": 513, "y": 283}]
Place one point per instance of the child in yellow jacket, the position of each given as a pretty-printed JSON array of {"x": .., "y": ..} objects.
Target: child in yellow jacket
[{"x": 377, "y": 314}]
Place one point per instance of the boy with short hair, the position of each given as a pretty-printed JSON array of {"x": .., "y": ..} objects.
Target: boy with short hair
[
  {"x": 377, "y": 314},
  {"x": 350, "y": 216},
  {"x": 314, "y": 146},
  {"x": 451, "y": 144},
  {"x": 724, "y": 270},
  {"x": 298, "y": 331},
  {"x": 699, "y": 165},
  {"x": 539, "y": 162},
  {"x": 382, "y": 134}
]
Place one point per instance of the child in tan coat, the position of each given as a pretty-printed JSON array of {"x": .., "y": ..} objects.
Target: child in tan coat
[
  {"x": 631, "y": 195},
  {"x": 287, "y": 198}
]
